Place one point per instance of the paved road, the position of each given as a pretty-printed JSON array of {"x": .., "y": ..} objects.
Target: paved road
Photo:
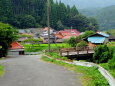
[{"x": 31, "y": 71}]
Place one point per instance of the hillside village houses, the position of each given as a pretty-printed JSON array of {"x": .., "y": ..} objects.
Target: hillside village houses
[
  {"x": 59, "y": 37},
  {"x": 55, "y": 36}
]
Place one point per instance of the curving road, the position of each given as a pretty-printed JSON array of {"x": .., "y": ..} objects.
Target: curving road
[{"x": 31, "y": 71}]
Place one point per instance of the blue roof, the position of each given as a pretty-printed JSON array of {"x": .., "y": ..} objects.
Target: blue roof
[
  {"x": 96, "y": 39},
  {"x": 103, "y": 34}
]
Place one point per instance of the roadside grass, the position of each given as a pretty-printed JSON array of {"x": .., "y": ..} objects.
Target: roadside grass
[
  {"x": 111, "y": 71},
  {"x": 41, "y": 47},
  {"x": 1, "y": 70},
  {"x": 88, "y": 76}
]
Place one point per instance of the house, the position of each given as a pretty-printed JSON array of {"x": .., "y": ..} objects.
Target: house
[
  {"x": 97, "y": 39},
  {"x": 45, "y": 38},
  {"x": 16, "y": 49},
  {"x": 66, "y": 34},
  {"x": 111, "y": 39},
  {"x": 44, "y": 35}
]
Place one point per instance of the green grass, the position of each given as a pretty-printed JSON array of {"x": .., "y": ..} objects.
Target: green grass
[
  {"x": 111, "y": 71},
  {"x": 1, "y": 70},
  {"x": 89, "y": 76},
  {"x": 41, "y": 47}
]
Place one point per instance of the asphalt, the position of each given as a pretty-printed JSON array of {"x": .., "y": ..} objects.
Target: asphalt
[{"x": 31, "y": 71}]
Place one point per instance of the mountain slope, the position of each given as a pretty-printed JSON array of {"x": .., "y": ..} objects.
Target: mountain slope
[
  {"x": 105, "y": 16},
  {"x": 89, "y": 3}
]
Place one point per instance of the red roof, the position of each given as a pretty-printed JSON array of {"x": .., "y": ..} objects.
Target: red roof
[
  {"x": 67, "y": 33},
  {"x": 16, "y": 45}
]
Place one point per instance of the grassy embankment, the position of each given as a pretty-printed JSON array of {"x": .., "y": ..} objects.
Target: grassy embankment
[
  {"x": 1, "y": 70},
  {"x": 106, "y": 65},
  {"x": 88, "y": 76}
]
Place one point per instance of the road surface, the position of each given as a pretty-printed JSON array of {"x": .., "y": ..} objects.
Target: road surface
[{"x": 31, "y": 71}]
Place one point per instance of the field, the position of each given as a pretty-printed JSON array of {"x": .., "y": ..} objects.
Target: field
[{"x": 41, "y": 47}]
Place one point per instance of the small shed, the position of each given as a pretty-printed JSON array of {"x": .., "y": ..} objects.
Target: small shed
[{"x": 16, "y": 49}]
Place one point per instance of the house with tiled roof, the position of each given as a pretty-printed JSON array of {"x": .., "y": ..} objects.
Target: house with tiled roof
[
  {"x": 16, "y": 48},
  {"x": 67, "y": 33}
]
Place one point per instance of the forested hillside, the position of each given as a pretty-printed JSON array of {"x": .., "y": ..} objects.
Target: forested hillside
[
  {"x": 104, "y": 16},
  {"x": 90, "y": 12},
  {"x": 33, "y": 13}
]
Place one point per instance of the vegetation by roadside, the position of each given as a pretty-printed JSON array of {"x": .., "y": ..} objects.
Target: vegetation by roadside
[
  {"x": 1, "y": 70},
  {"x": 106, "y": 66},
  {"x": 110, "y": 65},
  {"x": 8, "y": 34},
  {"x": 89, "y": 76},
  {"x": 105, "y": 56}
]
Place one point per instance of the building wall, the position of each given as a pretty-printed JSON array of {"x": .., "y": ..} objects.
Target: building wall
[{"x": 91, "y": 45}]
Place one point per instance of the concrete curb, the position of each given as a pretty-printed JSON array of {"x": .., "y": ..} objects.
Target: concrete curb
[{"x": 103, "y": 71}]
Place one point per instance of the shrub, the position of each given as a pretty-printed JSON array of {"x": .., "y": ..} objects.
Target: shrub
[
  {"x": 102, "y": 54},
  {"x": 72, "y": 42},
  {"x": 82, "y": 44},
  {"x": 87, "y": 33},
  {"x": 111, "y": 62}
]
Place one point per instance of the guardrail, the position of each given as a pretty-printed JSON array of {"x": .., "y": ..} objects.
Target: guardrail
[{"x": 75, "y": 50}]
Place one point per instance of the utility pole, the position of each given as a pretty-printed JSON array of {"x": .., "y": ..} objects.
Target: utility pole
[
  {"x": 48, "y": 24},
  {"x": 71, "y": 29}
]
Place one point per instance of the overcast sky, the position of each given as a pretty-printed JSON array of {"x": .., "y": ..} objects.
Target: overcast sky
[{"x": 89, "y": 3}]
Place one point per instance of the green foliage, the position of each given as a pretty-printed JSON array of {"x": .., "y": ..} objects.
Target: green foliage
[
  {"x": 111, "y": 32},
  {"x": 7, "y": 36},
  {"x": 72, "y": 42},
  {"x": 82, "y": 44},
  {"x": 87, "y": 33},
  {"x": 26, "y": 21},
  {"x": 1, "y": 70},
  {"x": 109, "y": 67},
  {"x": 25, "y": 35},
  {"x": 55, "y": 55},
  {"x": 111, "y": 62},
  {"x": 93, "y": 24},
  {"x": 105, "y": 18},
  {"x": 60, "y": 25},
  {"x": 0, "y": 47},
  {"x": 33, "y": 41},
  {"x": 102, "y": 54},
  {"x": 32, "y": 14},
  {"x": 41, "y": 47}
]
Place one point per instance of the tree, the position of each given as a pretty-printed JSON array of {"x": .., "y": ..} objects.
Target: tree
[
  {"x": 92, "y": 24},
  {"x": 82, "y": 44},
  {"x": 102, "y": 54},
  {"x": 28, "y": 21},
  {"x": 7, "y": 36},
  {"x": 60, "y": 25},
  {"x": 87, "y": 33},
  {"x": 72, "y": 42}
]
